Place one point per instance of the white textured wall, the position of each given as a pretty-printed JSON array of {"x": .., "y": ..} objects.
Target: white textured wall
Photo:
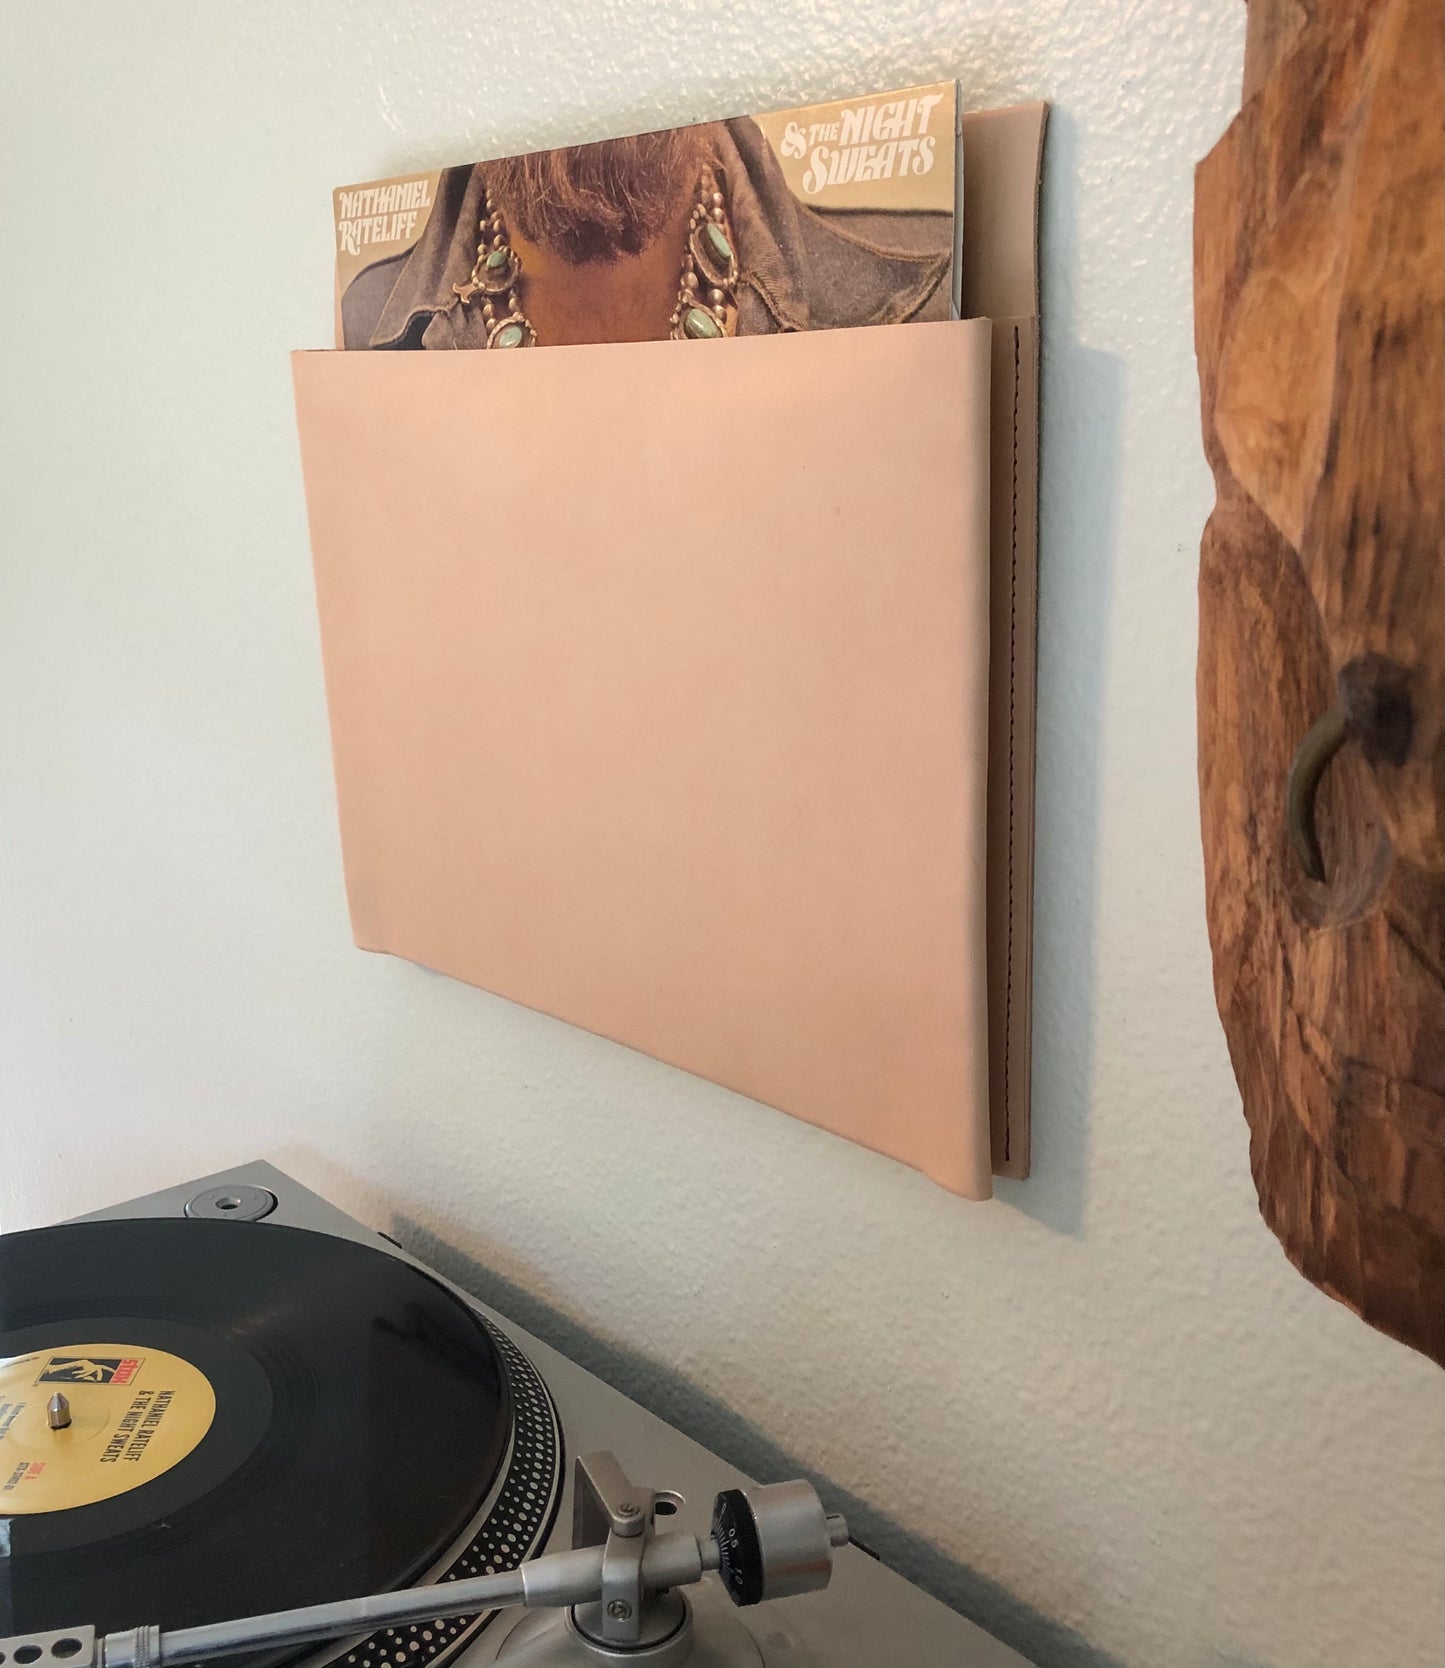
[{"x": 1102, "y": 1414}]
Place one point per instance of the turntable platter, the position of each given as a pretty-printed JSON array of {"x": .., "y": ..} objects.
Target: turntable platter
[{"x": 198, "y": 1419}]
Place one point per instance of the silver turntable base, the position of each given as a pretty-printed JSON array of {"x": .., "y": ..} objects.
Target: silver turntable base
[{"x": 867, "y": 1617}]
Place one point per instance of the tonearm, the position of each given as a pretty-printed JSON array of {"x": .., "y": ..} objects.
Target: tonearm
[{"x": 619, "y": 1584}]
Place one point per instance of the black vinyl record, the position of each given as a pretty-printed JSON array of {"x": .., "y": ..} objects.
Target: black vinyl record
[{"x": 283, "y": 1418}]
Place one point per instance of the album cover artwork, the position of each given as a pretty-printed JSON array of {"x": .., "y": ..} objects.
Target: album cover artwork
[{"x": 834, "y": 214}]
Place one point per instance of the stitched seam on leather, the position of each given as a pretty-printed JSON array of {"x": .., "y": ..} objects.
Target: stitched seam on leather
[{"x": 1008, "y": 1000}]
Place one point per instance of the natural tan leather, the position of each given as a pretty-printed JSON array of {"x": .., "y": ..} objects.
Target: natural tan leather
[
  {"x": 779, "y": 998},
  {"x": 658, "y": 681},
  {"x": 1002, "y": 168},
  {"x": 1003, "y": 158}
]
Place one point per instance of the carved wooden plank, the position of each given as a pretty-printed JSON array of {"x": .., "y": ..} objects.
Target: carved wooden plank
[{"x": 1320, "y": 332}]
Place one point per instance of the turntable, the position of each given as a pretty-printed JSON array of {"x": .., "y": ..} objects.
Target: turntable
[{"x": 237, "y": 1424}]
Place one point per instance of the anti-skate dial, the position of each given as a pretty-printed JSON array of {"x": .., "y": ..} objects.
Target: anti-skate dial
[{"x": 774, "y": 1540}]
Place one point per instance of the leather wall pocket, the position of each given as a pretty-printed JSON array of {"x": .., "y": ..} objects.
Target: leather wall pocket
[{"x": 659, "y": 684}]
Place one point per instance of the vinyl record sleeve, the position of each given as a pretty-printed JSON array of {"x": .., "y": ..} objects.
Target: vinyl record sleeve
[{"x": 828, "y": 215}]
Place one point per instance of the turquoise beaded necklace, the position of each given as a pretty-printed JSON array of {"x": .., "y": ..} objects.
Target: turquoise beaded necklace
[{"x": 706, "y": 293}]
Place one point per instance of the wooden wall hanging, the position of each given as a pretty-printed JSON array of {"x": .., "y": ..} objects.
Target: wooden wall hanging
[{"x": 1320, "y": 330}]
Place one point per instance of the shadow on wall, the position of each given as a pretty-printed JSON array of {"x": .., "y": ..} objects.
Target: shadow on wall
[
  {"x": 1076, "y": 545},
  {"x": 663, "y": 1391},
  {"x": 1081, "y": 419}
]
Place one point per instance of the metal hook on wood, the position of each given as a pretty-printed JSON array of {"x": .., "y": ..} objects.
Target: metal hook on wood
[{"x": 1312, "y": 759}]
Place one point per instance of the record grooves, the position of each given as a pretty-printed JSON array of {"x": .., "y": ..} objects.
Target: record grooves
[
  {"x": 518, "y": 1523},
  {"x": 261, "y": 1418}
]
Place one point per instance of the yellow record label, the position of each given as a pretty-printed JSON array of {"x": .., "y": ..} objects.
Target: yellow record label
[{"x": 133, "y": 1413}]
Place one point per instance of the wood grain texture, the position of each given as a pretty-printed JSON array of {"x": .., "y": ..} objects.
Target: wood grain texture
[{"x": 1320, "y": 332}]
